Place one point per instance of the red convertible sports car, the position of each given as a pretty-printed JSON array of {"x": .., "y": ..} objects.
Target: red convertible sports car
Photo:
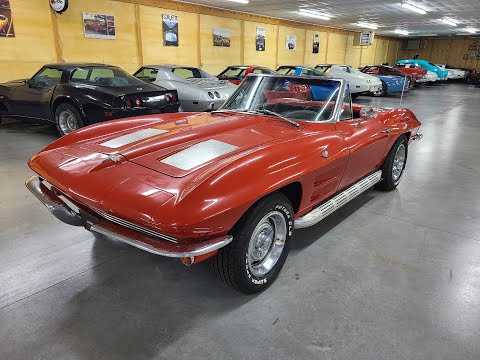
[{"x": 231, "y": 186}]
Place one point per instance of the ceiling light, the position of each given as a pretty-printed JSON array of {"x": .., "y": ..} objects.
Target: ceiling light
[
  {"x": 449, "y": 22},
  {"x": 414, "y": 8},
  {"x": 367, "y": 25},
  {"x": 314, "y": 14},
  {"x": 427, "y": 35},
  {"x": 470, "y": 30},
  {"x": 400, "y": 32},
  {"x": 239, "y": 1}
]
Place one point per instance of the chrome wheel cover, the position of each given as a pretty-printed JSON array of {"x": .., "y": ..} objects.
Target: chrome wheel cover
[
  {"x": 399, "y": 163},
  {"x": 67, "y": 122},
  {"x": 267, "y": 243}
]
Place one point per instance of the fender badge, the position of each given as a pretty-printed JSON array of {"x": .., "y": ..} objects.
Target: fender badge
[{"x": 325, "y": 154}]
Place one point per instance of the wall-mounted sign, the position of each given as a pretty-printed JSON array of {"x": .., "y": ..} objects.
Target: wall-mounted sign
[
  {"x": 6, "y": 21},
  {"x": 170, "y": 30},
  {"x": 221, "y": 37},
  {"x": 260, "y": 40},
  {"x": 316, "y": 43},
  {"x": 59, "y": 6},
  {"x": 291, "y": 43},
  {"x": 98, "y": 26}
]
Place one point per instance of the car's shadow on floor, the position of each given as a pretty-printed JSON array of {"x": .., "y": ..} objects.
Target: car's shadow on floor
[{"x": 303, "y": 238}]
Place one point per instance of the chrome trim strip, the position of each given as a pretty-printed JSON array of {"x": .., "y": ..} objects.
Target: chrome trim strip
[
  {"x": 135, "y": 227},
  {"x": 53, "y": 203},
  {"x": 202, "y": 248},
  {"x": 335, "y": 203}
]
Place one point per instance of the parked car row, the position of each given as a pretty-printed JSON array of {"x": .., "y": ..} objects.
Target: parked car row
[{"x": 73, "y": 95}]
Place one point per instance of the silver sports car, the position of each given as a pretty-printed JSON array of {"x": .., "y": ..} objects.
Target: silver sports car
[{"x": 197, "y": 90}]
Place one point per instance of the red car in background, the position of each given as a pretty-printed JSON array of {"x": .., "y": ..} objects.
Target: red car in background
[
  {"x": 385, "y": 70},
  {"x": 235, "y": 74},
  {"x": 417, "y": 72}
]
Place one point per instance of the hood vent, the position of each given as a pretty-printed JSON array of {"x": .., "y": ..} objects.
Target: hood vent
[
  {"x": 132, "y": 137},
  {"x": 199, "y": 154}
]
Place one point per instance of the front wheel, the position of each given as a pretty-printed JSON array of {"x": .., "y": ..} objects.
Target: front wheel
[
  {"x": 67, "y": 119},
  {"x": 260, "y": 246},
  {"x": 394, "y": 165},
  {"x": 383, "y": 90}
]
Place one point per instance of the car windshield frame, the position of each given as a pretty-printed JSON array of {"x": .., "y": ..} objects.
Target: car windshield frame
[
  {"x": 327, "y": 68},
  {"x": 336, "y": 111},
  {"x": 132, "y": 80}
]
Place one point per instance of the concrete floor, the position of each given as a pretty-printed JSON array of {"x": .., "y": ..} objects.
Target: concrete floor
[{"x": 390, "y": 276}]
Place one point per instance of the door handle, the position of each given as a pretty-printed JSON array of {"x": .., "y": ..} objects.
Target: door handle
[{"x": 387, "y": 131}]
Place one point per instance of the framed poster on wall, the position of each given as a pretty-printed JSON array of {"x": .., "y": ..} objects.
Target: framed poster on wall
[
  {"x": 291, "y": 43},
  {"x": 170, "y": 30},
  {"x": 99, "y": 26},
  {"x": 221, "y": 37},
  {"x": 260, "y": 40},
  {"x": 316, "y": 43},
  {"x": 6, "y": 21}
]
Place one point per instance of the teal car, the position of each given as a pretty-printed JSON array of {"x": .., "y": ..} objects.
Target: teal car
[{"x": 427, "y": 65}]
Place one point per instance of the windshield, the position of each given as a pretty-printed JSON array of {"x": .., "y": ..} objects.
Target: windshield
[
  {"x": 146, "y": 74},
  {"x": 233, "y": 73},
  {"x": 285, "y": 70},
  {"x": 104, "y": 76},
  {"x": 292, "y": 97},
  {"x": 323, "y": 68}
]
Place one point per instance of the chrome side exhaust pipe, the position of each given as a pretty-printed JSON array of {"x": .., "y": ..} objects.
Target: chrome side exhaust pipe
[{"x": 335, "y": 203}]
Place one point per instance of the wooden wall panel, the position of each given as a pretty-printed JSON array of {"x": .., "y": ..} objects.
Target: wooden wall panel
[
  {"x": 368, "y": 54},
  {"x": 251, "y": 55},
  {"x": 216, "y": 58},
  {"x": 33, "y": 44},
  {"x": 154, "y": 53},
  {"x": 392, "y": 53},
  {"x": 290, "y": 57},
  {"x": 76, "y": 47},
  {"x": 381, "y": 51},
  {"x": 337, "y": 48},
  {"x": 444, "y": 51},
  {"x": 312, "y": 59},
  {"x": 353, "y": 54}
]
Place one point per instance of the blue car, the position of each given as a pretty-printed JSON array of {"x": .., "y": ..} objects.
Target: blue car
[
  {"x": 299, "y": 70},
  {"x": 390, "y": 83},
  {"x": 427, "y": 65}
]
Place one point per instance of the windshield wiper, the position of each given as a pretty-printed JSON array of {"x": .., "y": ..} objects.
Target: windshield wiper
[{"x": 273, "y": 113}]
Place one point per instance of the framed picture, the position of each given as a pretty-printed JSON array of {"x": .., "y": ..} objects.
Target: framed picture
[
  {"x": 170, "y": 30},
  {"x": 99, "y": 26},
  {"x": 221, "y": 37},
  {"x": 6, "y": 21},
  {"x": 291, "y": 43},
  {"x": 260, "y": 39},
  {"x": 316, "y": 43}
]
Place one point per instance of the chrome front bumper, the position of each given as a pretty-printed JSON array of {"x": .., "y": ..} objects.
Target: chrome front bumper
[{"x": 153, "y": 245}]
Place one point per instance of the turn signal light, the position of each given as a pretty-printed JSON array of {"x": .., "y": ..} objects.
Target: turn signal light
[
  {"x": 138, "y": 102},
  {"x": 129, "y": 104},
  {"x": 168, "y": 98}
]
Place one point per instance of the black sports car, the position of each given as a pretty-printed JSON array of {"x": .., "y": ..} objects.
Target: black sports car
[{"x": 76, "y": 95}]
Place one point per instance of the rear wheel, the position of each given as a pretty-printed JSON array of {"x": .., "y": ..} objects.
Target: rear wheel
[
  {"x": 394, "y": 165},
  {"x": 260, "y": 246},
  {"x": 67, "y": 119}
]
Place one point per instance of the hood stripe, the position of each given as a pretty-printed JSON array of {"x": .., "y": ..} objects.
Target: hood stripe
[
  {"x": 132, "y": 137},
  {"x": 199, "y": 154}
]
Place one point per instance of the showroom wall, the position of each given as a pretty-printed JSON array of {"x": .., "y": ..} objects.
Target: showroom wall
[
  {"x": 43, "y": 36},
  {"x": 447, "y": 51}
]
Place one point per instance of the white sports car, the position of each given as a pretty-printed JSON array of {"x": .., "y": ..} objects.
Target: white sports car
[
  {"x": 454, "y": 74},
  {"x": 197, "y": 90},
  {"x": 360, "y": 83}
]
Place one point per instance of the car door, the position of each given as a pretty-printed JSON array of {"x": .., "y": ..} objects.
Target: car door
[
  {"x": 32, "y": 99},
  {"x": 366, "y": 138}
]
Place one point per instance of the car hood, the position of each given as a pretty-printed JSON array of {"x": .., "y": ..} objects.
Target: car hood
[
  {"x": 184, "y": 143},
  {"x": 14, "y": 83}
]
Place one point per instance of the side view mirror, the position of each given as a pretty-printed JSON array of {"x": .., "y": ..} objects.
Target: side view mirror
[{"x": 30, "y": 82}]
